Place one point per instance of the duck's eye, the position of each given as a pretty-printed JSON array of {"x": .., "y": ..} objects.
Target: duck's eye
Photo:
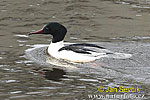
[{"x": 47, "y": 29}]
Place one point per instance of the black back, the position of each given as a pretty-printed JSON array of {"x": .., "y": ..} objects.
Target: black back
[{"x": 79, "y": 48}]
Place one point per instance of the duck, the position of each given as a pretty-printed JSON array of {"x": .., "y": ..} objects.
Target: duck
[{"x": 76, "y": 52}]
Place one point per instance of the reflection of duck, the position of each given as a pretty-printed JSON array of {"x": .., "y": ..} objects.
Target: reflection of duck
[
  {"x": 54, "y": 74},
  {"x": 75, "y": 52}
]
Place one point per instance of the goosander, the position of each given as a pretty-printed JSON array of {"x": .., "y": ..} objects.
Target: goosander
[{"x": 82, "y": 52}]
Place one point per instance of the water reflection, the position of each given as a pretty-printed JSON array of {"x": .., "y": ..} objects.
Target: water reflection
[{"x": 54, "y": 74}]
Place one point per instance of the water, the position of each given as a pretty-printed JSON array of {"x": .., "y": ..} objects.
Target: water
[{"x": 119, "y": 25}]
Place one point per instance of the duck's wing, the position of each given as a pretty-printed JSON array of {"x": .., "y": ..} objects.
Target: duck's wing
[
  {"x": 87, "y": 45},
  {"x": 92, "y": 50},
  {"x": 85, "y": 48}
]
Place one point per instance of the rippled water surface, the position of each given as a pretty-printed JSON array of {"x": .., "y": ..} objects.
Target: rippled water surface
[{"x": 119, "y": 25}]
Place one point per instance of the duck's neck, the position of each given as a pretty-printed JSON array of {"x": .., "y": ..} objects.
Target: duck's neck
[
  {"x": 59, "y": 35},
  {"x": 54, "y": 47}
]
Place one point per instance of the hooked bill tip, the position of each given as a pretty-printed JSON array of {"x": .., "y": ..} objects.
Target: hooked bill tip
[{"x": 30, "y": 33}]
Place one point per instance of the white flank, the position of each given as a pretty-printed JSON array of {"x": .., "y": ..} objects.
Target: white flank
[{"x": 78, "y": 57}]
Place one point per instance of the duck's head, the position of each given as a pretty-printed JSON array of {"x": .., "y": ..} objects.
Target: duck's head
[{"x": 55, "y": 29}]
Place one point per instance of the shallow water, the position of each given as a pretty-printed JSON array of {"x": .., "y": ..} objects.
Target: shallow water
[{"x": 119, "y": 25}]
